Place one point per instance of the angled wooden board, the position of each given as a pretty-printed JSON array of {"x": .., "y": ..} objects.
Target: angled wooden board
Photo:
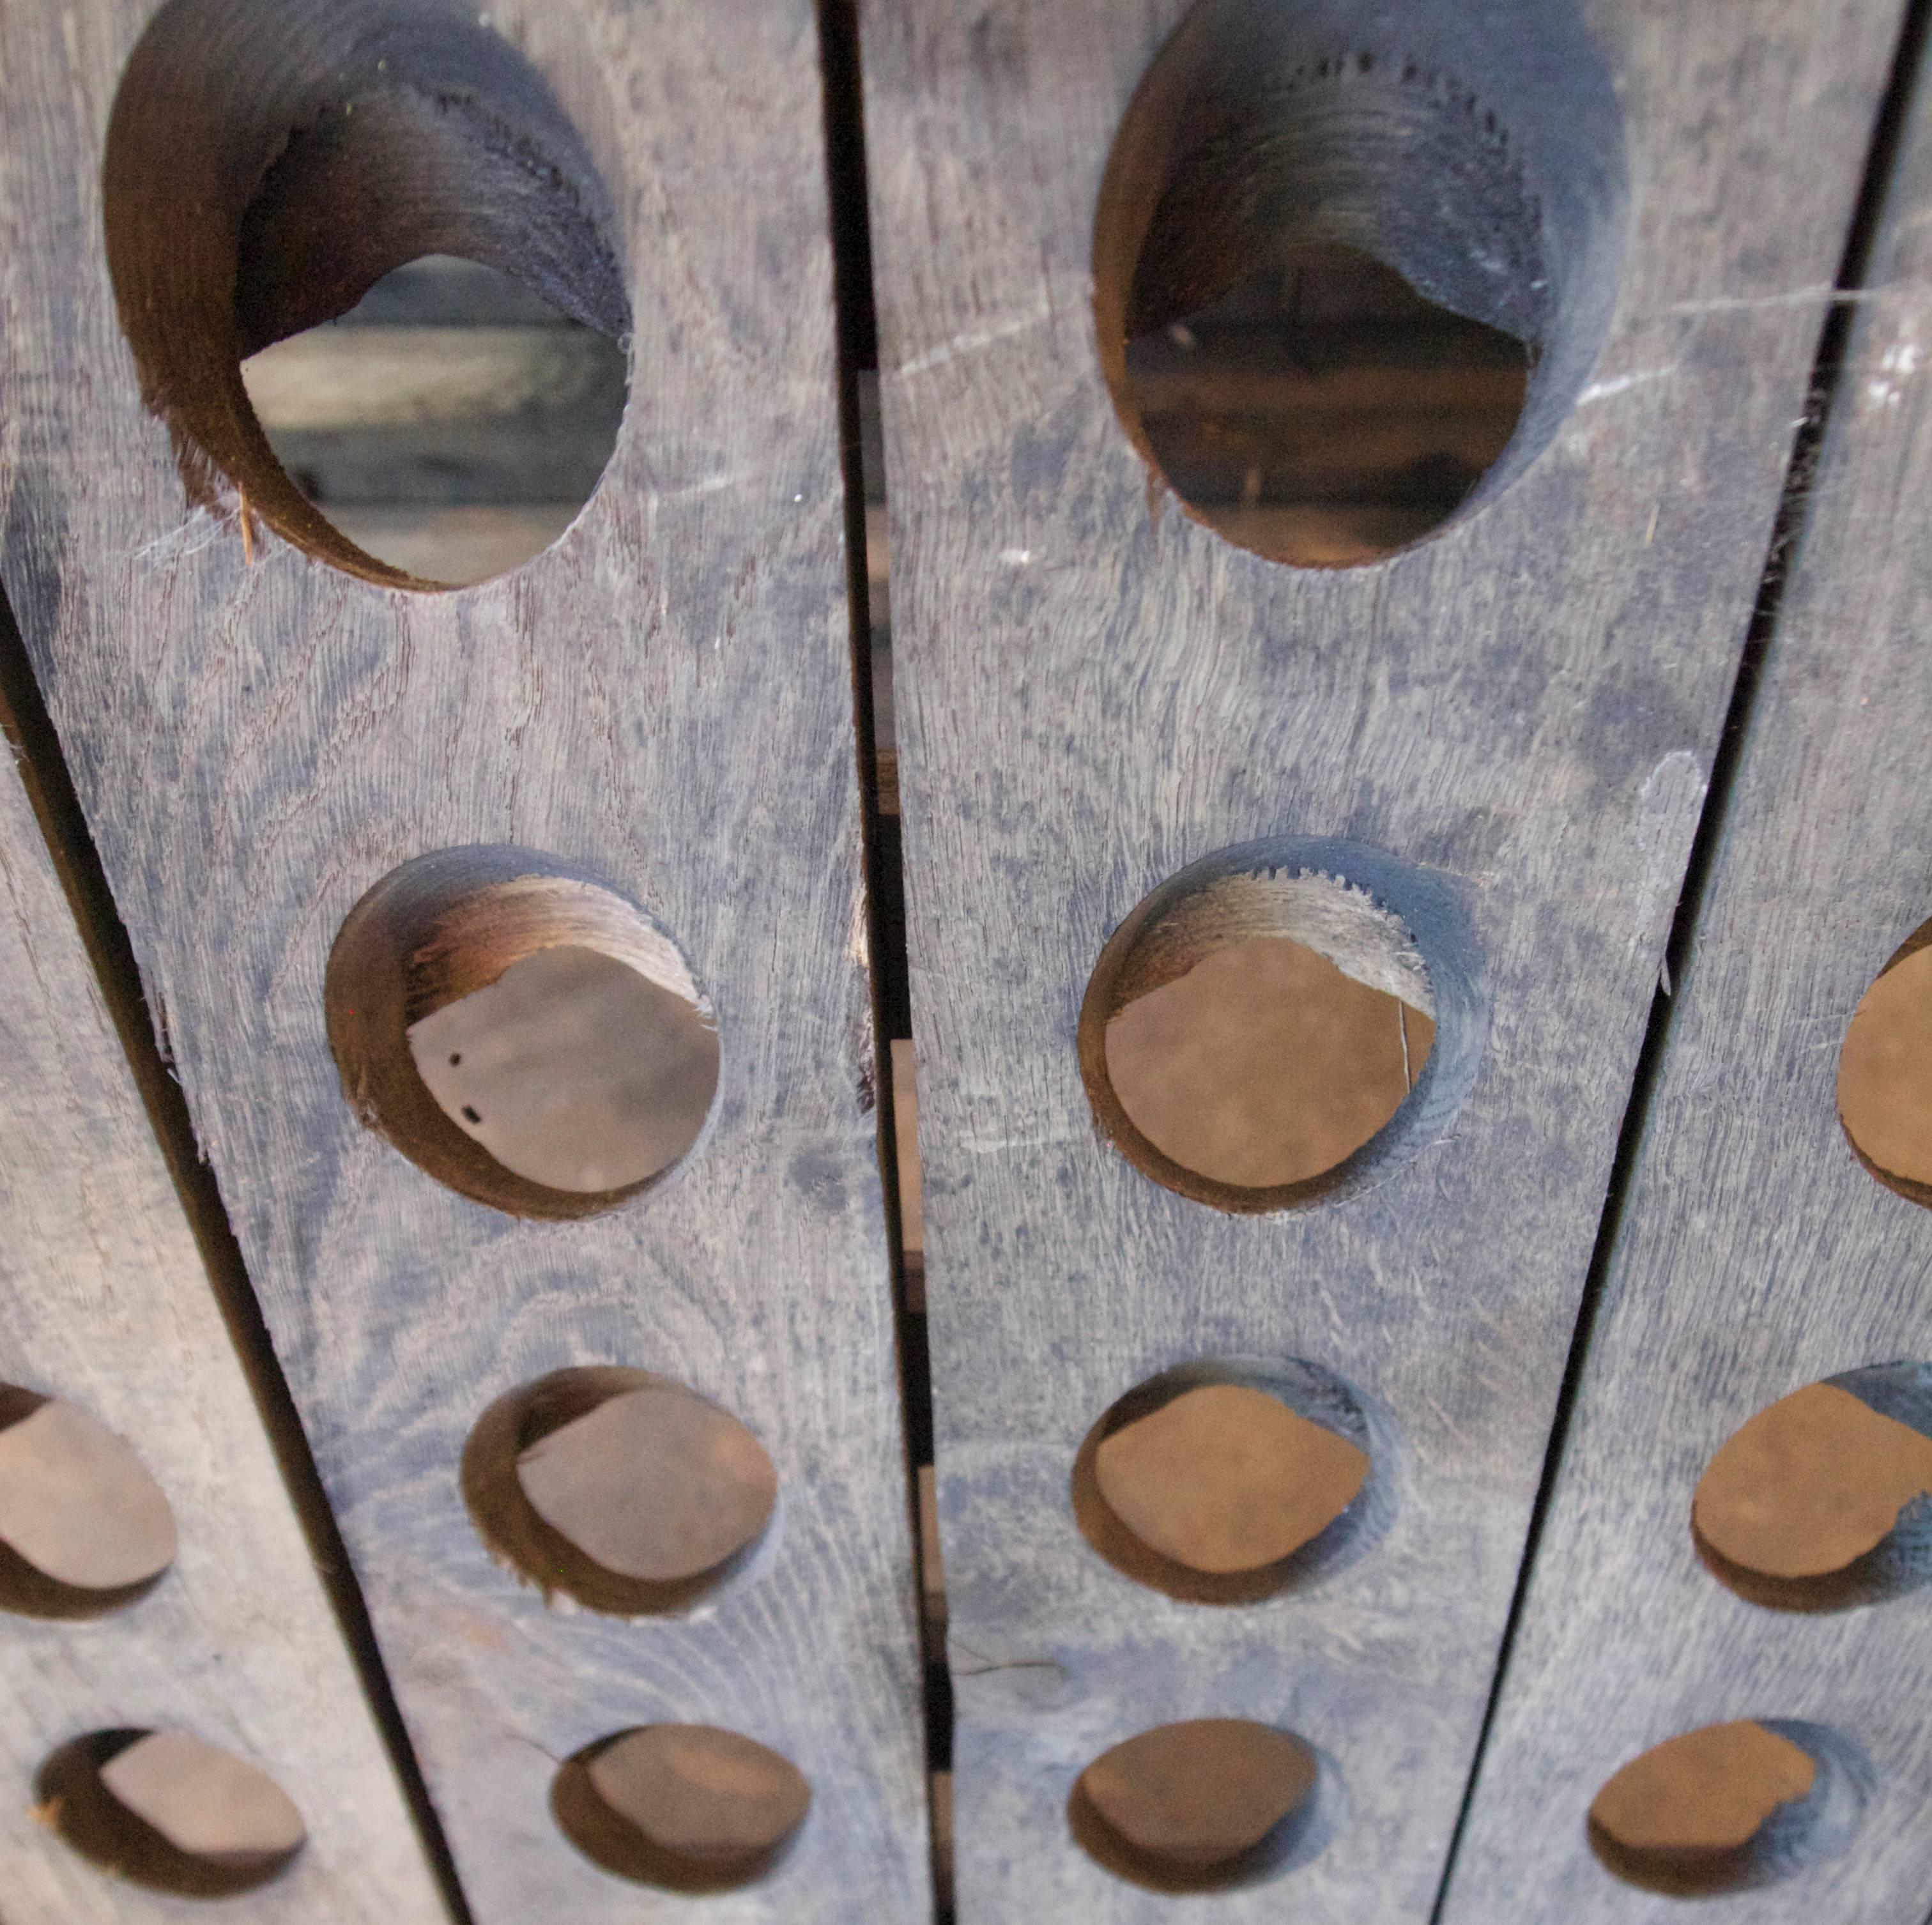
[
  {"x": 1756, "y": 1255},
  {"x": 1093, "y": 691},
  {"x": 664, "y": 699},
  {"x": 104, "y": 1304}
]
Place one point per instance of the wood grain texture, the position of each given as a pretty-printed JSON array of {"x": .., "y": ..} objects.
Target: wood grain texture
[
  {"x": 103, "y": 1300},
  {"x": 1093, "y": 691},
  {"x": 1756, "y": 1255},
  {"x": 664, "y": 699}
]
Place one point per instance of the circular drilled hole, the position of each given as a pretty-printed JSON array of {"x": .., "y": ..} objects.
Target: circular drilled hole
[
  {"x": 1351, "y": 271},
  {"x": 257, "y": 184},
  {"x": 1228, "y": 1483},
  {"x": 1824, "y": 1499},
  {"x": 1731, "y": 1807},
  {"x": 84, "y": 1529},
  {"x": 451, "y": 424},
  {"x": 686, "y": 1807},
  {"x": 1208, "y": 1805},
  {"x": 161, "y": 1808},
  {"x": 625, "y": 1490},
  {"x": 1885, "y": 1073},
  {"x": 521, "y": 1031},
  {"x": 1280, "y": 1021}
]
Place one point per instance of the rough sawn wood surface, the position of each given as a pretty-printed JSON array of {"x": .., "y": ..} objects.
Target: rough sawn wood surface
[
  {"x": 1093, "y": 691},
  {"x": 664, "y": 698}
]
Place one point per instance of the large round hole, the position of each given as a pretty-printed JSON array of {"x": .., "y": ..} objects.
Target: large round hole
[
  {"x": 259, "y": 182},
  {"x": 161, "y": 1808},
  {"x": 1351, "y": 269},
  {"x": 1226, "y": 1483},
  {"x": 1731, "y": 1807},
  {"x": 521, "y": 1030},
  {"x": 627, "y": 1492},
  {"x": 1278, "y": 1021},
  {"x": 451, "y": 424},
  {"x": 1205, "y": 1806},
  {"x": 84, "y": 1529},
  {"x": 1885, "y": 1073},
  {"x": 1824, "y": 1499},
  {"x": 686, "y": 1807}
]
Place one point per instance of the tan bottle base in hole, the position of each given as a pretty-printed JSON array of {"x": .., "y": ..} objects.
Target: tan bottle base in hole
[
  {"x": 1707, "y": 1793},
  {"x": 1810, "y": 1484},
  {"x": 1225, "y": 1478},
  {"x": 686, "y": 1807}
]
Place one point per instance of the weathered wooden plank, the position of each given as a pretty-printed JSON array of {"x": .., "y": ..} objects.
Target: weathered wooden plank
[
  {"x": 106, "y": 1307},
  {"x": 1093, "y": 691},
  {"x": 1755, "y": 1255},
  {"x": 663, "y": 701}
]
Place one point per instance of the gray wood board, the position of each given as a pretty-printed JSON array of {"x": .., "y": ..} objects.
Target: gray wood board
[
  {"x": 666, "y": 699},
  {"x": 104, "y": 1303},
  {"x": 1755, "y": 1254},
  {"x": 1093, "y": 692}
]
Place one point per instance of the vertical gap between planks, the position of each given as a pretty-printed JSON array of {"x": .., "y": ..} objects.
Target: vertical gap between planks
[
  {"x": 863, "y": 473},
  {"x": 1787, "y": 534},
  {"x": 30, "y": 734}
]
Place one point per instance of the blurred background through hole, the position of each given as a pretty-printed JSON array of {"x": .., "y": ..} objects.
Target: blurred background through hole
[
  {"x": 451, "y": 423},
  {"x": 1323, "y": 412}
]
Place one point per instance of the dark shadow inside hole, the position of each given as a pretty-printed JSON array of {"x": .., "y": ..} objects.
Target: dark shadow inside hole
[
  {"x": 75, "y": 1802},
  {"x": 1670, "y": 1821},
  {"x": 1322, "y": 412},
  {"x": 686, "y": 1808},
  {"x": 731, "y": 1489},
  {"x": 78, "y": 1498},
  {"x": 451, "y": 424},
  {"x": 1211, "y": 1804}
]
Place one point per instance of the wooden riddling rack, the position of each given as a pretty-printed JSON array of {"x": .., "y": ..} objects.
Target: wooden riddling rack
[{"x": 1620, "y": 759}]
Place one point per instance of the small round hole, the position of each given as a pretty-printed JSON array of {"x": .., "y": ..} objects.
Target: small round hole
[
  {"x": 1227, "y": 1483},
  {"x": 1265, "y": 1065},
  {"x": 84, "y": 1529},
  {"x": 688, "y": 1808},
  {"x": 257, "y": 184},
  {"x": 627, "y": 1492},
  {"x": 1343, "y": 294},
  {"x": 1205, "y": 1806},
  {"x": 1885, "y": 1073},
  {"x": 162, "y": 1809},
  {"x": 1731, "y": 1807},
  {"x": 1824, "y": 1499},
  {"x": 1280, "y": 1021},
  {"x": 521, "y": 1031}
]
